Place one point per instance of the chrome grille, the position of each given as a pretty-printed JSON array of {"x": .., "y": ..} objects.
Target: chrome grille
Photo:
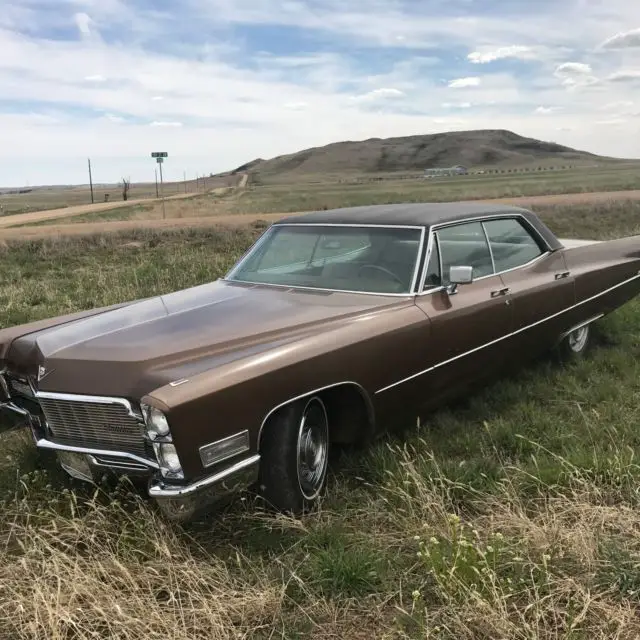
[{"x": 94, "y": 424}]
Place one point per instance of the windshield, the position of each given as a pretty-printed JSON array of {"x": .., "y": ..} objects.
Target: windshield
[{"x": 367, "y": 259}]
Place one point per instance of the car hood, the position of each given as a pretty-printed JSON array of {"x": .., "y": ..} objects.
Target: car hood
[{"x": 133, "y": 349}]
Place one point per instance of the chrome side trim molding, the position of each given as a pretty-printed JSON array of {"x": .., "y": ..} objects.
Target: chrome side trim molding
[
  {"x": 362, "y": 225},
  {"x": 508, "y": 335},
  {"x": 43, "y": 443},
  {"x": 580, "y": 326},
  {"x": 409, "y": 295},
  {"x": 159, "y": 489}
]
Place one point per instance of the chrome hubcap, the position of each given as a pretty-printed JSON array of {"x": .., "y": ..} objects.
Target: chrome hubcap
[
  {"x": 578, "y": 338},
  {"x": 313, "y": 448}
]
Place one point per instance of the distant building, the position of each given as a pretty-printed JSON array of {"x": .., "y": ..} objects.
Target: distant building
[{"x": 458, "y": 170}]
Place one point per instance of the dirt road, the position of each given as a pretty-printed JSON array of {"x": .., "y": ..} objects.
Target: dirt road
[
  {"x": 52, "y": 214},
  {"x": 207, "y": 221}
]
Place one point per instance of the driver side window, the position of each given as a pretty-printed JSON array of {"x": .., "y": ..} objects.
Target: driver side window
[{"x": 464, "y": 245}]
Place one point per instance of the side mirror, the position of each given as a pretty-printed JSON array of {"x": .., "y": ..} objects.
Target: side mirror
[{"x": 459, "y": 275}]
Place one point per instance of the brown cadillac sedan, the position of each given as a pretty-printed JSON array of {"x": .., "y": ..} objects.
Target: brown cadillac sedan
[{"x": 332, "y": 325}]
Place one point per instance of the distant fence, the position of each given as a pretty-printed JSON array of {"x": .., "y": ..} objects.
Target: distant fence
[{"x": 478, "y": 172}]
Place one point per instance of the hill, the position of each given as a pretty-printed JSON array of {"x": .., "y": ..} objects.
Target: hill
[{"x": 484, "y": 148}]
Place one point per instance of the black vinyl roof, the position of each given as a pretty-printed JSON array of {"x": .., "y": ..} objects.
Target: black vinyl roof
[{"x": 419, "y": 214}]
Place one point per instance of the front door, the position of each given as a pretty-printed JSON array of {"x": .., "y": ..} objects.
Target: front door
[{"x": 467, "y": 327}]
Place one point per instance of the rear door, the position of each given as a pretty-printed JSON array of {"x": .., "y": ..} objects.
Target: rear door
[
  {"x": 538, "y": 281},
  {"x": 467, "y": 326}
]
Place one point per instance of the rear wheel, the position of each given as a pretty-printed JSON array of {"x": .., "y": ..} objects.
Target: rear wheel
[
  {"x": 295, "y": 456},
  {"x": 576, "y": 344}
]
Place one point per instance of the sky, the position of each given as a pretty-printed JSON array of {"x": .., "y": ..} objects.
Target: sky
[{"x": 216, "y": 83}]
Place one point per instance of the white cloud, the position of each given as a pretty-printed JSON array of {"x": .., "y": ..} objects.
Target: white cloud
[
  {"x": 513, "y": 51},
  {"x": 165, "y": 123},
  {"x": 630, "y": 75},
  {"x": 623, "y": 40},
  {"x": 157, "y": 98},
  {"x": 456, "y": 105},
  {"x": 575, "y": 75},
  {"x": 547, "y": 110},
  {"x": 462, "y": 83},
  {"x": 573, "y": 69},
  {"x": 614, "y": 106},
  {"x": 383, "y": 93},
  {"x": 95, "y": 78},
  {"x": 83, "y": 23},
  {"x": 115, "y": 119},
  {"x": 296, "y": 106}
]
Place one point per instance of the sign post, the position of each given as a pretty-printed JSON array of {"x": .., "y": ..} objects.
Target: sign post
[{"x": 160, "y": 156}]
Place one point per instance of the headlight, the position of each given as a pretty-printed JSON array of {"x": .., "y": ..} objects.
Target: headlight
[
  {"x": 160, "y": 434},
  {"x": 157, "y": 424},
  {"x": 168, "y": 460}
]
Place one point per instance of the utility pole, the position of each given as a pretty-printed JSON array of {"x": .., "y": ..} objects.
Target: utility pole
[
  {"x": 164, "y": 215},
  {"x": 156, "y": 172},
  {"x": 184, "y": 176},
  {"x": 90, "y": 179},
  {"x": 160, "y": 156}
]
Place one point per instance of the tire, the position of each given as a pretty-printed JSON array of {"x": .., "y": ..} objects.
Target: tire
[
  {"x": 294, "y": 456},
  {"x": 575, "y": 345}
]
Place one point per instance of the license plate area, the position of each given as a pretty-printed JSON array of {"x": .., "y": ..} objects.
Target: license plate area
[{"x": 76, "y": 465}]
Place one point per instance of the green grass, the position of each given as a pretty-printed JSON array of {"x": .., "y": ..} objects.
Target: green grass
[
  {"x": 304, "y": 196},
  {"x": 513, "y": 513},
  {"x": 326, "y": 192}
]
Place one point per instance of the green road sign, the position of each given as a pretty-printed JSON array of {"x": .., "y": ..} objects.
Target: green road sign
[
  {"x": 159, "y": 154},
  {"x": 159, "y": 160}
]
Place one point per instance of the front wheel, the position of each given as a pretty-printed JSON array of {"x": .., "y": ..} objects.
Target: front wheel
[
  {"x": 576, "y": 344},
  {"x": 295, "y": 456}
]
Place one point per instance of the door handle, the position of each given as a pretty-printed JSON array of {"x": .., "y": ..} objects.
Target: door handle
[
  {"x": 500, "y": 292},
  {"x": 564, "y": 274}
]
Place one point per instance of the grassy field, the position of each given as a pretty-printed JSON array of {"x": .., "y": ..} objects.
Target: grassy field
[
  {"x": 328, "y": 192},
  {"x": 513, "y": 514}
]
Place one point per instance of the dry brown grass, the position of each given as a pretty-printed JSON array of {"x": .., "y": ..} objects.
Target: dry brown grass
[
  {"x": 522, "y": 568},
  {"x": 109, "y": 572}
]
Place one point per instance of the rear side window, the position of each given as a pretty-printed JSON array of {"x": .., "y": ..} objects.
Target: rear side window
[
  {"x": 511, "y": 243},
  {"x": 464, "y": 245}
]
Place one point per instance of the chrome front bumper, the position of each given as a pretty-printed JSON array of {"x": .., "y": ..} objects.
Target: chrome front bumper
[
  {"x": 177, "y": 501},
  {"x": 180, "y": 502}
]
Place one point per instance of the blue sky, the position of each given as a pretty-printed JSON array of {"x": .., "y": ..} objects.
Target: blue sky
[{"x": 219, "y": 82}]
